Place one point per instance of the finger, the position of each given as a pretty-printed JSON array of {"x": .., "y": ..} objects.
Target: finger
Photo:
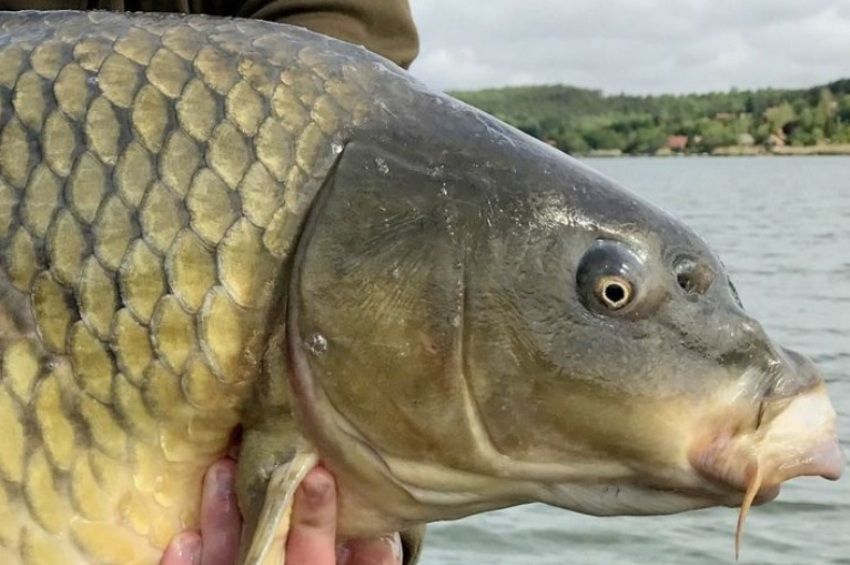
[
  {"x": 184, "y": 549},
  {"x": 312, "y": 534},
  {"x": 221, "y": 524},
  {"x": 385, "y": 550}
]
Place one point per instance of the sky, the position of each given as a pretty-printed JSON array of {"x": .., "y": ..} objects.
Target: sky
[{"x": 633, "y": 46}]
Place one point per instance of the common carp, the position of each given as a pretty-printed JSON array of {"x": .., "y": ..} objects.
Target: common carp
[{"x": 216, "y": 224}]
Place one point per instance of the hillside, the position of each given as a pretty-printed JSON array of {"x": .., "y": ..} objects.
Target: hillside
[{"x": 583, "y": 121}]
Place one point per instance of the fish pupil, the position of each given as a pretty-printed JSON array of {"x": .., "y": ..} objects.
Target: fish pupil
[
  {"x": 614, "y": 293},
  {"x": 686, "y": 283}
]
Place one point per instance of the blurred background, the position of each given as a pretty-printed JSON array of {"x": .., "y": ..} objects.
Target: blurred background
[
  {"x": 735, "y": 116},
  {"x": 646, "y": 77}
]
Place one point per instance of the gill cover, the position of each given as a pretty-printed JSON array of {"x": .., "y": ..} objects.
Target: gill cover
[{"x": 376, "y": 306}]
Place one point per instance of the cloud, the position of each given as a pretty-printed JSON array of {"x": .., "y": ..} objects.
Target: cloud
[
  {"x": 462, "y": 65},
  {"x": 640, "y": 46}
]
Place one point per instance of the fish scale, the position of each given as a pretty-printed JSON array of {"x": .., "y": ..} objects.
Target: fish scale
[
  {"x": 443, "y": 340},
  {"x": 154, "y": 174}
]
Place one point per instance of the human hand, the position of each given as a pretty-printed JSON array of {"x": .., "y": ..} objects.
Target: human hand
[{"x": 312, "y": 535}]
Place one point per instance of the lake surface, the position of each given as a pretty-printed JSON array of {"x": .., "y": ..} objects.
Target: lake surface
[{"x": 782, "y": 226}]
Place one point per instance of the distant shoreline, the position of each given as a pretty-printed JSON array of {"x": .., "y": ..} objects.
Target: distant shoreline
[
  {"x": 842, "y": 149},
  {"x": 768, "y": 121}
]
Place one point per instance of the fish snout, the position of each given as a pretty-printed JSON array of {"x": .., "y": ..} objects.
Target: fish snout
[
  {"x": 798, "y": 425},
  {"x": 800, "y": 437},
  {"x": 796, "y": 374},
  {"x": 794, "y": 436}
]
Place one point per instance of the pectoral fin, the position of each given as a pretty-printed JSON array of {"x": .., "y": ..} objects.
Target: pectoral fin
[
  {"x": 411, "y": 543},
  {"x": 268, "y": 546}
]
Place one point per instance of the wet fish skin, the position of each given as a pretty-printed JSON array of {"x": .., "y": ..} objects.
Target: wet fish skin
[
  {"x": 191, "y": 238},
  {"x": 154, "y": 172}
]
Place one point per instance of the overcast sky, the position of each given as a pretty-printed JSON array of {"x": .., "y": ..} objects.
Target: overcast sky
[{"x": 635, "y": 46}]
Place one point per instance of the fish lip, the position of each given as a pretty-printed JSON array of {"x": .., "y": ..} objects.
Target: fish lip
[
  {"x": 711, "y": 463},
  {"x": 723, "y": 491},
  {"x": 730, "y": 471},
  {"x": 835, "y": 458},
  {"x": 733, "y": 492},
  {"x": 766, "y": 494},
  {"x": 792, "y": 436}
]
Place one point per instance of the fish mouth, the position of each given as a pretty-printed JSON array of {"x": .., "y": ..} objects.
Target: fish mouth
[
  {"x": 797, "y": 438},
  {"x": 737, "y": 454},
  {"x": 731, "y": 476}
]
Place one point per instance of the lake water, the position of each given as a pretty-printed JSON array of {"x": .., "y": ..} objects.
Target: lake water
[{"x": 782, "y": 226}]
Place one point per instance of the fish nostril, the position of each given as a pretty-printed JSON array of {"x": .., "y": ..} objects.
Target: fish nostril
[
  {"x": 794, "y": 373},
  {"x": 694, "y": 276}
]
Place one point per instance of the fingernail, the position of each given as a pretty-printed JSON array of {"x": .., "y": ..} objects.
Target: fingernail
[
  {"x": 317, "y": 487},
  {"x": 224, "y": 481},
  {"x": 189, "y": 546},
  {"x": 394, "y": 541}
]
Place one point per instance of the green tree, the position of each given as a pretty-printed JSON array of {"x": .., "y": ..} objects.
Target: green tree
[
  {"x": 843, "y": 111},
  {"x": 802, "y": 136},
  {"x": 578, "y": 120},
  {"x": 761, "y": 133},
  {"x": 842, "y": 133},
  {"x": 825, "y": 111},
  {"x": 571, "y": 142},
  {"x": 716, "y": 134},
  {"x": 779, "y": 116},
  {"x": 604, "y": 138},
  {"x": 646, "y": 141}
]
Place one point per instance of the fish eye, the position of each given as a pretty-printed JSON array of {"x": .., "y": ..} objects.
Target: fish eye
[
  {"x": 693, "y": 276},
  {"x": 614, "y": 292},
  {"x": 608, "y": 277}
]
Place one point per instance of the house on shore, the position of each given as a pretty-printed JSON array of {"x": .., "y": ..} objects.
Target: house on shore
[{"x": 677, "y": 143}]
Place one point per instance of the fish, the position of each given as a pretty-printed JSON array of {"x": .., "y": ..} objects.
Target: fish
[{"x": 213, "y": 227}]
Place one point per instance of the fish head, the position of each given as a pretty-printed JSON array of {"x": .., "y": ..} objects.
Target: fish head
[
  {"x": 477, "y": 320},
  {"x": 614, "y": 332}
]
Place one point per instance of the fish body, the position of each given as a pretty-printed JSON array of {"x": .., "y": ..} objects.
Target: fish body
[
  {"x": 154, "y": 173},
  {"x": 209, "y": 224}
]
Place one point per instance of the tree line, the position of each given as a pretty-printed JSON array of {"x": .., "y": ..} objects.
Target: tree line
[{"x": 582, "y": 121}]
